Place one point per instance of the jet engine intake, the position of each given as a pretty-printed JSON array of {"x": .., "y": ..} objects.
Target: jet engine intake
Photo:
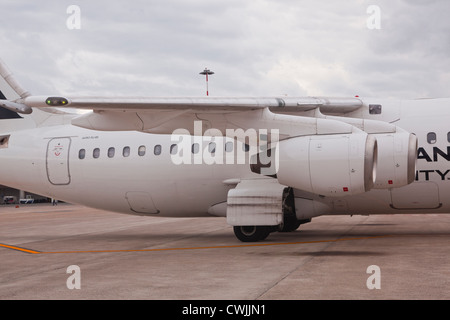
[{"x": 397, "y": 156}]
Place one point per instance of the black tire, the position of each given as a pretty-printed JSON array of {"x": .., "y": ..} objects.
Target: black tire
[{"x": 251, "y": 233}]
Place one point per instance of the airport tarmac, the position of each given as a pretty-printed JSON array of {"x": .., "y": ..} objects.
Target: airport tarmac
[{"x": 131, "y": 257}]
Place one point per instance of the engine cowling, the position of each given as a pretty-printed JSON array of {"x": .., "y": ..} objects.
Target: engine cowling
[
  {"x": 397, "y": 156},
  {"x": 329, "y": 165}
]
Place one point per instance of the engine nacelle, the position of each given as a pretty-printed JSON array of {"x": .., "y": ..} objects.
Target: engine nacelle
[
  {"x": 397, "y": 156},
  {"x": 329, "y": 165}
]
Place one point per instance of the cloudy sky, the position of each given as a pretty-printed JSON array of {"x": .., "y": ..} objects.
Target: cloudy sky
[{"x": 255, "y": 48}]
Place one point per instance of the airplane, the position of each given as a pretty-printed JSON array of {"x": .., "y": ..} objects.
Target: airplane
[{"x": 266, "y": 164}]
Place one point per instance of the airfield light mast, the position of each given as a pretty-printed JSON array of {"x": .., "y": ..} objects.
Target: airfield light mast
[{"x": 206, "y": 72}]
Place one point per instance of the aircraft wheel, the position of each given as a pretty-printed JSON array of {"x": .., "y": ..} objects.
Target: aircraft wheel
[{"x": 251, "y": 233}]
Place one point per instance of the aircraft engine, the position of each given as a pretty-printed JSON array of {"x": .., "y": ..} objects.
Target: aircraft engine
[
  {"x": 397, "y": 156},
  {"x": 328, "y": 165}
]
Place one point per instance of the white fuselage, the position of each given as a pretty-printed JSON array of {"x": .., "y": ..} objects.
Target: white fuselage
[
  {"x": 140, "y": 182},
  {"x": 79, "y": 166}
]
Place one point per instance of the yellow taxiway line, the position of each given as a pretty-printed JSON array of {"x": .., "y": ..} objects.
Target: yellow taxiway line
[
  {"x": 262, "y": 244},
  {"x": 19, "y": 248}
]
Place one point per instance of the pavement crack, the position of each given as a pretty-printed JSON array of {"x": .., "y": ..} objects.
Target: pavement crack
[
  {"x": 287, "y": 274},
  {"x": 304, "y": 262}
]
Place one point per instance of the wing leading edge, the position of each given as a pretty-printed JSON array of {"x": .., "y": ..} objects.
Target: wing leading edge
[{"x": 210, "y": 104}]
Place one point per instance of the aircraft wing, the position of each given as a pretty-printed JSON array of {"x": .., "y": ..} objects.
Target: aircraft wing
[
  {"x": 167, "y": 114},
  {"x": 210, "y": 104},
  {"x": 164, "y": 115}
]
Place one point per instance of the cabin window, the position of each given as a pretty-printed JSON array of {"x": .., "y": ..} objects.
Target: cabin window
[
  {"x": 448, "y": 136},
  {"x": 111, "y": 152},
  {"x": 126, "y": 151},
  {"x": 245, "y": 147},
  {"x": 96, "y": 153},
  {"x": 157, "y": 150},
  {"x": 4, "y": 141},
  {"x": 141, "y": 151},
  {"x": 263, "y": 137},
  {"x": 212, "y": 147},
  {"x": 374, "y": 108},
  {"x": 229, "y": 146},
  {"x": 431, "y": 137},
  {"x": 173, "y": 149},
  {"x": 195, "y": 148},
  {"x": 81, "y": 154}
]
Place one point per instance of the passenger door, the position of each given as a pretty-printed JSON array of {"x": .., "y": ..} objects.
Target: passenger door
[{"x": 57, "y": 161}]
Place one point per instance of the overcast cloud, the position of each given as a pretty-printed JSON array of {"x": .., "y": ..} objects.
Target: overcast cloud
[{"x": 255, "y": 48}]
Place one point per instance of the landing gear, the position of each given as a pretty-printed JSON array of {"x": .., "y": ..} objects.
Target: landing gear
[
  {"x": 292, "y": 224},
  {"x": 289, "y": 222},
  {"x": 252, "y": 233},
  {"x": 259, "y": 233}
]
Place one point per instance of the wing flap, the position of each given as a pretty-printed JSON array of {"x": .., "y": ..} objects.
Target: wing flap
[{"x": 208, "y": 124}]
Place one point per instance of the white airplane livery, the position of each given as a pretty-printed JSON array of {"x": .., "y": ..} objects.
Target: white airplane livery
[{"x": 265, "y": 164}]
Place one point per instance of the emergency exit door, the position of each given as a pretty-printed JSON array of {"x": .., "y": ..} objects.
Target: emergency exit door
[{"x": 57, "y": 161}]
